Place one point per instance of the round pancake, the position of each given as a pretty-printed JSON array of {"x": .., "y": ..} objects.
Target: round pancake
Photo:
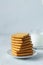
[
  {"x": 24, "y": 54},
  {"x": 20, "y": 35},
  {"x": 21, "y": 41},
  {"x": 16, "y": 39},
  {"x": 20, "y": 52},
  {"x": 18, "y": 47},
  {"x": 23, "y": 44}
]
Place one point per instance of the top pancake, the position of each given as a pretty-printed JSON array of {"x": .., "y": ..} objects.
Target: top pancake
[
  {"x": 20, "y": 35},
  {"x": 18, "y": 39}
]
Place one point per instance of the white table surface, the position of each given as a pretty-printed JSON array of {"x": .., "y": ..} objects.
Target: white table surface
[{"x": 6, "y": 59}]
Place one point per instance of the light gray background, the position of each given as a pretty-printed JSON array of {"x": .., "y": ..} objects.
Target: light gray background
[{"x": 21, "y": 16}]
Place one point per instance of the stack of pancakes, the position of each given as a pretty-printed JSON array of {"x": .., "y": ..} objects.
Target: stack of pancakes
[{"x": 21, "y": 44}]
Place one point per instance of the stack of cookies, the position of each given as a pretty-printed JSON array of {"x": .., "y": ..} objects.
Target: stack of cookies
[{"x": 21, "y": 44}]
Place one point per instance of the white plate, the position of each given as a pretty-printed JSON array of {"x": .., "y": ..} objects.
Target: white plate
[{"x": 34, "y": 54}]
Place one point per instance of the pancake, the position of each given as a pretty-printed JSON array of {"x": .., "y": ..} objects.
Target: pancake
[
  {"x": 24, "y": 54},
  {"x": 16, "y": 49},
  {"x": 21, "y": 41},
  {"x": 20, "y": 35},
  {"x": 23, "y": 47},
  {"x": 18, "y": 39},
  {"x": 29, "y": 51},
  {"x": 23, "y": 44}
]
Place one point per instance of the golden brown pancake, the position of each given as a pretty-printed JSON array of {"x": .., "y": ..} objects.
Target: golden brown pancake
[
  {"x": 20, "y": 35},
  {"x": 23, "y": 47},
  {"x": 23, "y": 44},
  {"x": 21, "y": 41},
  {"x": 18, "y": 39},
  {"x": 24, "y": 54},
  {"x": 20, "y": 52}
]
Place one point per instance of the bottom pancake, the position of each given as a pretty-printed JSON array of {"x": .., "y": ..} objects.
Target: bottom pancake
[{"x": 23, "y": 54}]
